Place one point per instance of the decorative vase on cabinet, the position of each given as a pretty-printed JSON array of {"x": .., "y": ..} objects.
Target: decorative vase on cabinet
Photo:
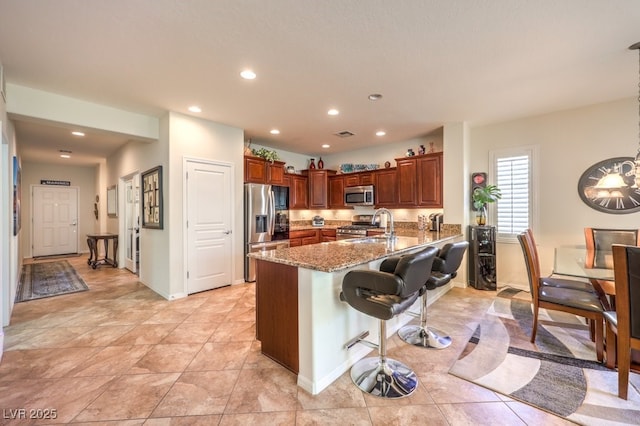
[
  {"x": 320, "y": 163},
  {"x": 312, "y": 164},
  {"x": 481, "y": 216}
]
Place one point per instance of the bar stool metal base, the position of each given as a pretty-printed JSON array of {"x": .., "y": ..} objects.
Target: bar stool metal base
[
  {"x": 386, "y": 378},
  {"x": 424, "y": 337}
]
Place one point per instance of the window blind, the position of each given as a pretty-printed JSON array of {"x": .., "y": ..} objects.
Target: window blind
[{"x": 513, "y": 209}]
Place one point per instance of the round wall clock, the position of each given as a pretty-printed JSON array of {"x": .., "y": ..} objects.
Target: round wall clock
[{"x": 610, "y": 186}]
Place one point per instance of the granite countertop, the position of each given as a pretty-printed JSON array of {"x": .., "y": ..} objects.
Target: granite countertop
[{"x": 338, "y": 255}]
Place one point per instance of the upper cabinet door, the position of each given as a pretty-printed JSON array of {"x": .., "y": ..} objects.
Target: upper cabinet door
[
  {"x": 318, "y": 183},
  {"x": 407, "y": 182},
  {"x": 255, "y": 170},
  {"x": 336, "y": 192},
  {"x": 275, "y": 173},
  {"x": 298, "y": 192},
  {"x": 385, "y": 188},
  {"x": 430, "y": 180}
]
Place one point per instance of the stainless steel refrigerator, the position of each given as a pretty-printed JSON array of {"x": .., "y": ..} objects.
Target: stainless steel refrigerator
[{"x": 266, "y": 221}]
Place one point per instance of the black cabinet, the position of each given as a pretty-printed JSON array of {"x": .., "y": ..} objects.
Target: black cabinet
[{"x": 482, "y": 257}]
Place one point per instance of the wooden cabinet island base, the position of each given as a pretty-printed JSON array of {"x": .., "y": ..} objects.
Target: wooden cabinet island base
[{"x": 300, "y": 320}]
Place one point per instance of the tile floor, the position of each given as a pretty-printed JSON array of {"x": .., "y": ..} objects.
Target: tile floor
[{"x": 121, "y": 354}]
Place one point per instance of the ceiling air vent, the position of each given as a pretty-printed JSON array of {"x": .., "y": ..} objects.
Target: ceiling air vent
[{"x": 344, "y": 134}]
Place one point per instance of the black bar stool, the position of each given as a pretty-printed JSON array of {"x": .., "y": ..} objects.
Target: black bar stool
[{"x": 384, "y": 295}]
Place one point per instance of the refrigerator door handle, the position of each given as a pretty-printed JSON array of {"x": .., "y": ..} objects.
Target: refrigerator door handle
[{"x": 272, "y": 213}]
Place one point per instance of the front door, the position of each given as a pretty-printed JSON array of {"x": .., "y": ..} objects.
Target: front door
[
  {"x": 55, "y": 220},
  {"x": 209, "y": 224}
]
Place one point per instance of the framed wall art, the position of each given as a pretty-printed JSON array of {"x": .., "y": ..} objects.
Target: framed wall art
[{"x": 152, "y": 198}]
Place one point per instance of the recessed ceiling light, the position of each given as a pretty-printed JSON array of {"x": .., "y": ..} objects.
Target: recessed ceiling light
[
  {"x": 275, "y": 132},
  {"x": 77, "y": 133},
  {"x": 381, "y": 133},
  {"x": 65, "y": 153},
  {"x": 333, "y": 111},
  {"x": 195, "y": 108},
  {"x": 375, "y": 96},
  {"x": 248, "y": 75},
  {"x": 65, "y": 156},
  {"x": 326, "y": 145}
]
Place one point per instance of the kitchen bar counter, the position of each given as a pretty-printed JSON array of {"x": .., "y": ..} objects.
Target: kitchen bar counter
[
  {"x": 340, "y": 255},
  {"x": 301, "y": 321}
]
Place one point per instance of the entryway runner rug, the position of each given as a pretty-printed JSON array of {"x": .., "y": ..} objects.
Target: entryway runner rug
[
  {"x": 40, "y": 280},
  {"x": 559, "y": 373}
]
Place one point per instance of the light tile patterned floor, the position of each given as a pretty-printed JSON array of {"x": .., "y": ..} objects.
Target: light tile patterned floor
[{"x": 121, "y": 354}]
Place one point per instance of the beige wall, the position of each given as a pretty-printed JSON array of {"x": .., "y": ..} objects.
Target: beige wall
[
  {"x": 162, "y": 250},
  {"x": 206, "y": 140},
  {"x": 137, "y": 157},
  {"x": 569, "y": 142}
]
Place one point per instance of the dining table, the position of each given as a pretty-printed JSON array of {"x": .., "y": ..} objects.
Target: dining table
[{"x": 573, "y": 262}]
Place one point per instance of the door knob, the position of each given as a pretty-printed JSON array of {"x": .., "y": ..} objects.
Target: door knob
[{"x": 227, "y": 232}]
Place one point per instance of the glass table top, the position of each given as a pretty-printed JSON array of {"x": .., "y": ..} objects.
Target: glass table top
[{"x": 571, "y": 261}]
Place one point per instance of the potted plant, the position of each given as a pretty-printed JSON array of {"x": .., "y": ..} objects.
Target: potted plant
[
  {"x": 265, "y": 154},
  {"x": 483, "y": 196}
]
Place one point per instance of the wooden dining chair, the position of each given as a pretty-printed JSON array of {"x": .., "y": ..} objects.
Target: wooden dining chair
[
  {"x": 599, "y": 242},
  {"x": 623, "y": 324},
  {"x": 555, "y": 281},
  {"x": 582, "y": 303}
]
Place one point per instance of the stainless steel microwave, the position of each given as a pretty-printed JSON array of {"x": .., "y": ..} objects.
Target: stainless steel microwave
[{"x": 359, "y": 195}]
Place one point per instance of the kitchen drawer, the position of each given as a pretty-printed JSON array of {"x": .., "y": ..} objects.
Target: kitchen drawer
[
  {"x": 328, "y": 232},
  {"x": 295, "y": 242},
  {"x": 302, "y": 233},
  {"x": 310, "y": 240}
]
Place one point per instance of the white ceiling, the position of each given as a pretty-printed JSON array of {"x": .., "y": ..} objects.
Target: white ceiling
[{"x": 433, "y": 61}]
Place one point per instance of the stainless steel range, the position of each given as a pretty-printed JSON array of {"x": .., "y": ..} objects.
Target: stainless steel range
[{"x": 360, "y": 224}]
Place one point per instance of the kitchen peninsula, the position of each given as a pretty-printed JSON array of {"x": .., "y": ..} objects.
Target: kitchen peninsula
[{"x": 300, "y": 320}]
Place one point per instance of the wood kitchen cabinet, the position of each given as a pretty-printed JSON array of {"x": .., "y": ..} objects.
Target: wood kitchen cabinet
[
  {"x": 358, "y": 179},
  {"x": 319, "y": 187},
  {"x": 258, "y": 170},
  {"x": 386, "y": 188},
  {"x": 304, "y": 237},
  {"x": 275, "y": 173},
  {"x": 407, "y": 182},
  {"x": 336, "y": 192},
  {"x": 420, "y": 181},
  {"x": 430, "y": 180},
  {"x": 298, "y": 192},
  {"x": 327, "y": 235}
]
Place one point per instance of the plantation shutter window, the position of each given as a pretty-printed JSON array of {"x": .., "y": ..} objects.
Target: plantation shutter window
[{"x": 513, "y": 175}]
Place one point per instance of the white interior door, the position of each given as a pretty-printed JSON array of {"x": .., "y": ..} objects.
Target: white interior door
[
  {"x": 55, "y": 220},
  {"x": 209, "y": 225},
  {"x": 132, "y": 222}
]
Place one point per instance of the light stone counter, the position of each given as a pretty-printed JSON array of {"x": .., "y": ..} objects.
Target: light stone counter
[{"x": 338, "y": 255}]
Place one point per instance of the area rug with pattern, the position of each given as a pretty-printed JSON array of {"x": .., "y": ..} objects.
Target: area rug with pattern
[
  {"x": 40, "y": 280},
  {"x": 558, "y": 374}
]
